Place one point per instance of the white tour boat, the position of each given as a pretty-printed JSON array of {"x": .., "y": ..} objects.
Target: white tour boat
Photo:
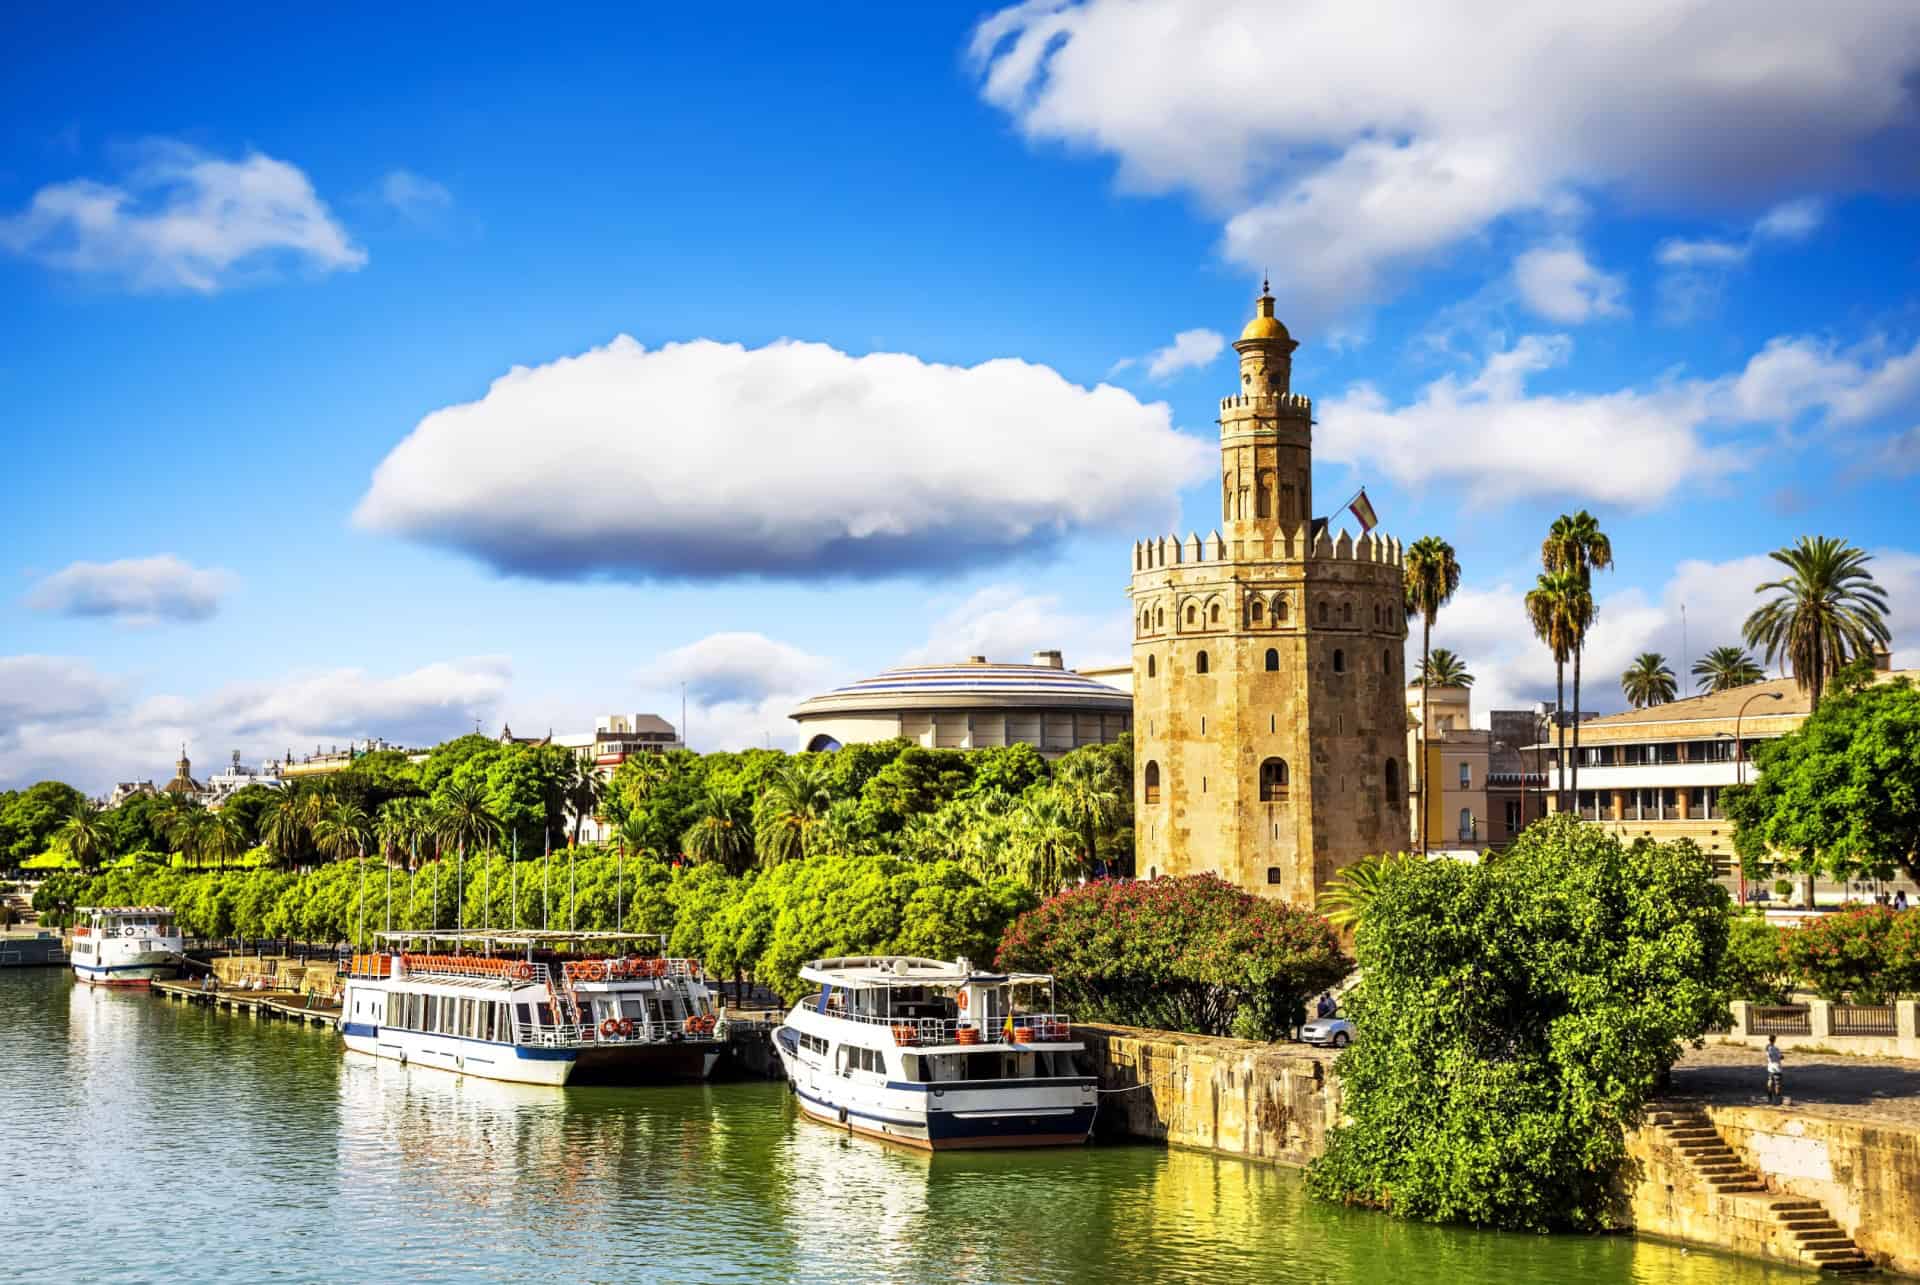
[
  {"x": 532, "y": 1007},
  {"x": 126, "y": 945},
  {"x": 936, "y": 1055}
]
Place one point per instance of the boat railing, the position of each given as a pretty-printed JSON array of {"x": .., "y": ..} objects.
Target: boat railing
[
  {"x": 485, "y": 967},
  {"x": 630, "y": 968},
  {"x": 1027, "y": 1028}
]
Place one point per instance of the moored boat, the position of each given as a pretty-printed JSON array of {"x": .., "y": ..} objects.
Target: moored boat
[
  {"x": 531, "y": 1007},
  {"x": 936, "y": 1055},
  {"x": 125, "y": 945}
]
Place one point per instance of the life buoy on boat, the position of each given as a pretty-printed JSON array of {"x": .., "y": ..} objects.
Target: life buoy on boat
[
  {"x": 962, "y": 1001},
  {"x": 523, "y": 971},
  {"x": 610, "y": 1027},
  {"x": 593, "y": 970},
  {"x": 626, "y": 1028}
]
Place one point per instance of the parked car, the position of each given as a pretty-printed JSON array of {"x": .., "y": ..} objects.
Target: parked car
[{"x": 1337, "y": 1031}]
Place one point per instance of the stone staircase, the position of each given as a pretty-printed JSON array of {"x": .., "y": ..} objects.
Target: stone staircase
[{"x": 1805, "y": 1233}]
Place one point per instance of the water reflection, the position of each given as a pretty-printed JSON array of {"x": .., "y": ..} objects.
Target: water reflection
[{"x": 156, "y": 1141}]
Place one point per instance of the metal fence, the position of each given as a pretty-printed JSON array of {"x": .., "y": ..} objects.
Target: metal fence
[
  {"x": 1789, "y": 1019},
  {"x": 1863, "y": 1019}
]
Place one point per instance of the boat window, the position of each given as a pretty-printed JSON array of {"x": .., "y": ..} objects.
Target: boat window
[
  {"x": 423, "y": 1019},
  {"x": 525, "y": 1013}
]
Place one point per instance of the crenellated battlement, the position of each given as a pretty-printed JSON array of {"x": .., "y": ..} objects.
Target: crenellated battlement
[
  {"x": 1291, "y": 405},
  {"x": 1171, "y": 550}
]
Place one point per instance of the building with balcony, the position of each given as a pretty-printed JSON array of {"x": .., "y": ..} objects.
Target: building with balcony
[
  {"x": 976, "y": 704},
  {"x": 1488, "y": 783}
]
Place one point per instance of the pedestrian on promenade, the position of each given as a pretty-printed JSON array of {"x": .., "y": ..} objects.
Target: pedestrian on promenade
[
  {"x": 1900, "y": 900},
  {"x": 1326, "y": 1007},
  {"x": 1774, "y": 1059}
]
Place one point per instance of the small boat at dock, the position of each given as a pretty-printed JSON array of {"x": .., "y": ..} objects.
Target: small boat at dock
[
  {"x": 126, "y": 945},
  {"x": 936, "y": 1055},
  {"x": 532, "y": 1007}
]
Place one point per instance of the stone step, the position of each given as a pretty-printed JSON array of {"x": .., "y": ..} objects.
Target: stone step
[
  {"x": 1836, "y": 1255},
  {"x": 1810, "y": 1224},
  {"x": 1733, "y": 1181},
  {"x": 1740, "y": 1188},
  {"x": 1691, "y": 1138},
  {"x": 1796, "y": 1206}
]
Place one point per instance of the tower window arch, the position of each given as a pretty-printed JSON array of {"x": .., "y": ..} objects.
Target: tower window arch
[
  {"x": 1193, "y": 614},
  {"x": 1323, "y": 613},
  {"x": 1160, "y": 618},
  {"x": 1273, "y": 780},
  {"x": 1199, "y": 662},
  {"x": 1392, "y": 786},
  {"x": 1150, "y": 782},
  {"x": 1280, "y": 610},
  {"x": 1339, "y": 661},
  {"x": 1213, "y": 614},
  {"x": 1346, "y": 613},
  {"x": 1257, "y": 611},
  {"x": 1386, "y": 661},
  {"x": 1273, "y": 660},
  {"x": 1149, "y": 665}
]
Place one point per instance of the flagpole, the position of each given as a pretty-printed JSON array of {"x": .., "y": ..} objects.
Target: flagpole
[
  {"x": 513, "y": 883},
  {"x": 546, "y": 867}
]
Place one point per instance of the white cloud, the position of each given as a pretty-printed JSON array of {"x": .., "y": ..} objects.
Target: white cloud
[
  {"x": 74, "y": 725},
  {"x": 183, "y": 219},
  {"x": 735, "y": 667},
  {"x": 1501, "y": 442},
  {"x": 1487, "y": 626},
  {"x": 1189, "y": 350},
  {"x": 1346, "y": 142},
  {"x": 1797, "y": 373},
  {"x": 415, "y": 197},
  {"x": 794, "y": 460},
  {"x": 1006, "y": 622},
  {"x": 1696, "y": 269},
  {"x": 134, "y": 591},
  {"x": 1559, "y": 283}
]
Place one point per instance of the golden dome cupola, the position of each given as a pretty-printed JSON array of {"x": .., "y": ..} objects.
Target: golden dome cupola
[{"x": 1266, "y": 350}]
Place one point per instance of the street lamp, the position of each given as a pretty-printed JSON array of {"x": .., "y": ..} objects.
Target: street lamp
[{"x": 1740, "y": 769}]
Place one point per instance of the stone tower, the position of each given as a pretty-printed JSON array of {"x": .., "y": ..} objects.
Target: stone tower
[{"x": 1269, "y": 722}]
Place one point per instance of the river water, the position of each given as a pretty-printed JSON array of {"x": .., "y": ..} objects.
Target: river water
[{"x": 143, "y": 1140}]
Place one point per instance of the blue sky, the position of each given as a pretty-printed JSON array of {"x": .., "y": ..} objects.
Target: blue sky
[{"x": 273, "y": 480}]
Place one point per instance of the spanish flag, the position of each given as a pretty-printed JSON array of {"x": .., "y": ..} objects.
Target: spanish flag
[
  {"x": 1363, "y": 511},
  {"x": 1007, "y": 1030}
]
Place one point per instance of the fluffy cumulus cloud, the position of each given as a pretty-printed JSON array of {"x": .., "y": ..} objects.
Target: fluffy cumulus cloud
[
  {"x": 1487, "y": 626},
  {"x": 1341, "y": 143},
  {"x": 61, "y": 719},
  {"x": 1006, "y": 622},
  {"x": 1190, "y": 350},
  {"x": 181, "y": 218},
  {"x": 1559, "y": 283},
  {"x": 732, "y": 667},
  {"x": 134, "y": 591},
  {"x": 794, "y": 460}
]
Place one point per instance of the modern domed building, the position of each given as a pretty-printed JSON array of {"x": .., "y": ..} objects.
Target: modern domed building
[{"x": 974, "y": 705}]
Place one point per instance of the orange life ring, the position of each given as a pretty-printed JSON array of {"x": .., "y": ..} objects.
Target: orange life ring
[
  {"x": 523, "y": 971},
  {"x": 963, "y": 1001},
  {"x": 610, "y": 1027},
  {"x": 626, "y": 1028},
  {"x": 593, "y": 970}
]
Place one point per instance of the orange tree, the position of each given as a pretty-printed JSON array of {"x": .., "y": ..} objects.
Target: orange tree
[{"x": 1187, "y": 954}]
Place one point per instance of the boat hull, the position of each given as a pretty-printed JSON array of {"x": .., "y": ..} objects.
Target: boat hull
[
  {"x": 957, "y": 1131},
  {"x": 508, "y": 1063},
  {"x": 138, "y": 970},
  {"x": 656, "y": 1063}
]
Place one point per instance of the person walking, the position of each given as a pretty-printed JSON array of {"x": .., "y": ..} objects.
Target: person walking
[
  {"x": 1774, "y": 1059},
  {"x": 1326, "y": 1007},
  {"x": 1900, "y": 900}
]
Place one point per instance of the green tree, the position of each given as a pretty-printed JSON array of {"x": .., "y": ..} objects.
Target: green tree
[
  {"x": 1443, "y": 669},
  {"x": 286, "y": 828},
  {"x": 1839, "y": 796},
  {"x": 343, "y": 830},
  {"x": 1756, "y": 967},
  {"x": 787, "y": 817},
  {"x": 220, "y": 839},
  {"x": 1725, "y": 668},
  {"x": 1432, "y": 578},
  {"x": 465, "y": 820},
  {"x": 1555, "y": 606},
  {"x": 1513, "y": 1020},
  {"x": 1648, "y": 681},
  {"x": 1088, "y": 793},
  {"x": 247, "y": 807},
  {"x": 1190, "y": 953},
  {"x": 85, "y": 835},
  {"x": 32, "y": 815},
  {"x": 1575, "y": 543},
  {"x": 1828, "y": 610},
  {"x": 722, "y": 831},
  {"x": 1046, "y": 848},
  {"x": 1352, "y": 890},
  {"x": 918, "y": 780}
]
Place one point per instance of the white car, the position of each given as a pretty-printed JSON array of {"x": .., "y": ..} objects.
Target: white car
[{"x": 1337, "y": 1031}]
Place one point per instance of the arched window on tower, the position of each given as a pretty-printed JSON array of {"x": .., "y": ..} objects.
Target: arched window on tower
[
  {"x": 1280, "y": 610},
  {"x": 1273, "y": 781},
  {"x": 1392, "y": 787},
  {"x": 1386, "y": 661},
  {"x": 1149, "y": 665},
  {"x": 1193, "y": 614},
  {"x": 1273, "y": 660},
  {"x": 1200, "y": 663},
  {"x": 1323, "y": 613},
  {"x": 1214, "y": 614},
  {"x": 1257, "y": 611},
  {"x": 1263, "y": 496},
  {"x": 1346, "y": 613},
  {"x": 1150, "y": 782},
  {"x": 1339, "y": 661},
  {"x": 1160, "y": 618}
]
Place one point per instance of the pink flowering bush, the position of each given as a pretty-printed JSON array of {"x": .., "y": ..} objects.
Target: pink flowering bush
[
  {"x": 1189, "y": 954},
  {"x": 1870, "y": 954}
]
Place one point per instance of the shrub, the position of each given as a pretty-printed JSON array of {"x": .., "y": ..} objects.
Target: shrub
[
  {"x": 1870, "y": 954},
  {"x": 1757, "y": 968},
  {"x": 1187, "y": 954},
  {"x": 1513, "y": 1019}
]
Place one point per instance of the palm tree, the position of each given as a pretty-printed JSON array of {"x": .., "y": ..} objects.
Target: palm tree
[
  {"x": 721, "y": 832},
  {"x": 1432, "y": 578},
  {"x": 286, "y": 826},
  {"x": 788, "y": 816},
  {"x": 1648, "y": 681},
  {"x": 393, "y": 828},
  {"x": 1577, "y": 544},
  {"x": 465, "y": 820},
  {"x": 221, "y": 839},
  {"x": 177, "y": 820},
  {"x": 85, "y": 835},
  {"x": 1443, "y": 669},
  {"x": 1550, "y": 610},
  {"x": 1353, "y": 889},
  {"x": 344, "y": 830},
  {"x": 1829, "y": 611},
  {"x": 1046, "y": 844},
  {"x": 581, "y": 791},
  {"x": 1088, "y": 795},
  {"x": 1725, "y": 668}
]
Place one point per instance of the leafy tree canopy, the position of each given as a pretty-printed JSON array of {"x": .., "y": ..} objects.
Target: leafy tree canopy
[
  {"x": 29, "y": 817},
  {"x": 1513, "y": 1019}
]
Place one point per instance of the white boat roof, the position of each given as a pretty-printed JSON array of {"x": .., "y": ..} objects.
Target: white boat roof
[
  {"x": 516, "y": 936},
  {"x": 905, "y": 970},
  {"x": 129, "y": 911}
]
